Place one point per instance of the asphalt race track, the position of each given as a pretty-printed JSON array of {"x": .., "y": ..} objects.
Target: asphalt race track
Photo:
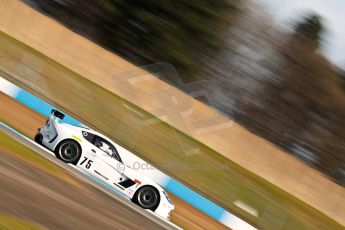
[
  {"x": 61, "y": 205},
  {"x": 26, "y": 120}
]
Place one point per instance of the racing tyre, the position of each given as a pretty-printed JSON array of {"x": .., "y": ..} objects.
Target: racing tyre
[
  {"x": 38, "y": 138},
  {"x": 147, "y": 197},
  {"x": 68, "y": 151}
]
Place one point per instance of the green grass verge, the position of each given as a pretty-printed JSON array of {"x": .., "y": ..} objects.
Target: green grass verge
[
  {"x": 159, "y": 143},
  {"x": 12, "y": 223},
  {"x": 11, "y": 146}
]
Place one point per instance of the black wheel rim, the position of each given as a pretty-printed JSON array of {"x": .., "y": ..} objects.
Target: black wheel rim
[
  {"x": 69, "y": 152},
  {"x": 148, "y": 198}
]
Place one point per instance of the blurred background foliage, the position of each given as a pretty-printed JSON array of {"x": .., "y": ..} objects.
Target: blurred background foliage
[
  {"x": 147, "y": 30},
  {"x": 274, "y": 82}
]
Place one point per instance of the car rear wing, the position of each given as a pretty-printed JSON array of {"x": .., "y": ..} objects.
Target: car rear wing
[{"x": 57, "y": 114}]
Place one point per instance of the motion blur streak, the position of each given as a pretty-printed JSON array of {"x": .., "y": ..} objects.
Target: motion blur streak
[
  {"x": 274, "y": 82},
  {"x": 26, "y": 187},
  {"x": 172, "y": 185}
]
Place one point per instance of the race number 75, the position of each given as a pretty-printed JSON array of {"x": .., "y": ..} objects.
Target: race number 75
[{"x": 88, "y": 162}]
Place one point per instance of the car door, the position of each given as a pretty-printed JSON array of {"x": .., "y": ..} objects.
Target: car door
[
  {"x": 86, "y": 162},
  {"x": 105, "y": 165}
]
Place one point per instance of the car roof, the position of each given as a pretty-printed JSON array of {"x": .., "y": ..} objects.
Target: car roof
[{"x": 87, "y": 129}]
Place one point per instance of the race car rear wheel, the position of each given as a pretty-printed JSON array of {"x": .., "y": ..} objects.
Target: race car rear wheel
[
  {"x": 147, "y": 197},
  {"x": 38, "y": 138},
  {"x": 68, "y": 151}
]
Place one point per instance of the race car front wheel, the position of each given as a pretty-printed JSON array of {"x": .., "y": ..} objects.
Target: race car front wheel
[
  {"x": 68, "y": 151},
  {"x": 147, "y": 197}
]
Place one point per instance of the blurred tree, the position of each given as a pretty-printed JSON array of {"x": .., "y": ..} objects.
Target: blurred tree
[
  {"x": 342, "y": 78},
  {"x": 146, "y": 31},
  {"x": 172, "y": 31},
  {"x": 304, "y": 112},
  {"x": 311, "y": 27}
]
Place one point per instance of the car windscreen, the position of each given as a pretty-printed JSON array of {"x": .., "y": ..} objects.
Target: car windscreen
[{"x": 106, "y": 147}]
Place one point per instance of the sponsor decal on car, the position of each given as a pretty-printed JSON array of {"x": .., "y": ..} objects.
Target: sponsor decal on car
[{"x": 76, "y": 138}]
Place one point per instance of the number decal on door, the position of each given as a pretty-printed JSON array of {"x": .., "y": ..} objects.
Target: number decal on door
[{"x": 88, "y": 162}]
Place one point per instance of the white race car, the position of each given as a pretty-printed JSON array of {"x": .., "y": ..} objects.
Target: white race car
[{"x": 96, "y": 154}]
